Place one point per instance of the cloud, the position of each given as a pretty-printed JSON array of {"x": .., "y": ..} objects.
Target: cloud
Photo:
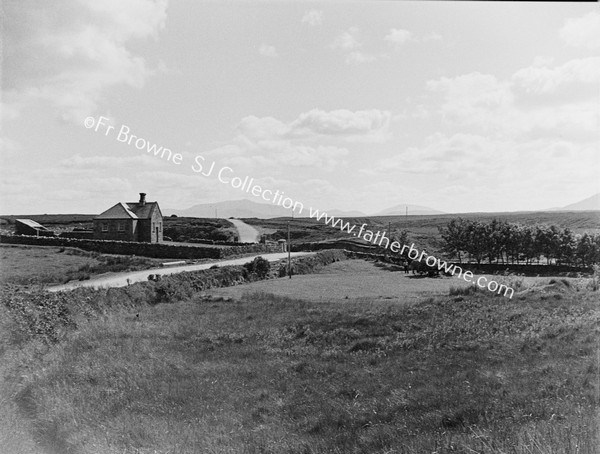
[
  {"x": 473, "y": 99},
  {"x": 536, "y": 101},
  {"x": 492, "y": 168},
  {"x": 70, "y": 53},
  {"x": 583, "y": 31},
  {"x": 348, "y": 43},
  {"x": 540, "y": 79},
  {"x": 361, "y": 125},
  {"x": 268, "y": 51},
  {"x": 313, "y": 17},
  {"x": 398, "y": 36},
  {"x": 347, "y": 40}
]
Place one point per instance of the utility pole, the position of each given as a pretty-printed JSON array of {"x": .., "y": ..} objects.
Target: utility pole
[{"x": 289, "y": 245}]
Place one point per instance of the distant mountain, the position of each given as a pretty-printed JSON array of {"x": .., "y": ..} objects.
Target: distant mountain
[
  {"x": 243, "y": 208},
  {"x": 591, "y": 203},
  {"x": 346, "y": 214},
  {"x": 401, "y": 209}
]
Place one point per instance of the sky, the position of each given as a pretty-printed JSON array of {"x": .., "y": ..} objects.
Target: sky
[{"x": 458, "y": 106}]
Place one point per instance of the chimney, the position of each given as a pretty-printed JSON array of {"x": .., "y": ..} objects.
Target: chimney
[{"x": 142, "y": 199}]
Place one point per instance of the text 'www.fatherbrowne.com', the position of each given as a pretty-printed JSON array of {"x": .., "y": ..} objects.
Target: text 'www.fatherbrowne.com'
[
  {"x": 380, "y": 239},
  {"x": 226, "y": 175}
]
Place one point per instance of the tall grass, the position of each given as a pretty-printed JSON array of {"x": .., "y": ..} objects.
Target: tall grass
[{"x": 273, "y": 375}]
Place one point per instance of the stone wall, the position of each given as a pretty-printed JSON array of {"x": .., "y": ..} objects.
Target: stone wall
[{"x": 157, "y": 250}]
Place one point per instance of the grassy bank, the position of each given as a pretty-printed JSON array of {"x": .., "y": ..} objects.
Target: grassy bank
[
  {"x": 266, "y": 374},
  {"x": 38, "y": 265}
]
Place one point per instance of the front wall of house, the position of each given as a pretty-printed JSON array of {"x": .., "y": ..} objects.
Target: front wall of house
[{"x": 115, "y": 229}]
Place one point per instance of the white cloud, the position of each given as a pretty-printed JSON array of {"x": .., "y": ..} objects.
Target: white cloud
[
  {"x": 583, "y": 31},
  {"x": 71, "y": 53},
  {"x": 347, "y": 40},
  {"x": 368, "y": 124},
  {"x": 475, "y": 99},
  {"x": 535, "y": 102},
  {"x": 398, "y": 36},
  {"x": 492, "y": 169},
  {"x": 361, "y": 125},
  {"x": 268, "y": 51},
  {"x": 348, "y": 43},
  {"x": 542, "y": 79},
  {"x": 262, "y": 128},
  {"x": 313, "y": 17}
]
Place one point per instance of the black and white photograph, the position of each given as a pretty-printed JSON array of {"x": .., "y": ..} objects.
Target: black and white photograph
[{"x": 299, "y": 227}]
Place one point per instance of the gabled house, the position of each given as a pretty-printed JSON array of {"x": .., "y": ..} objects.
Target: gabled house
[{"x": 134, "y": 221}]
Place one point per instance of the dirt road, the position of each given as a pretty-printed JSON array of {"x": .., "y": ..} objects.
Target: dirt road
[
  {"x": 123, "y": 279},
  {"x": 246, "y": 233}
]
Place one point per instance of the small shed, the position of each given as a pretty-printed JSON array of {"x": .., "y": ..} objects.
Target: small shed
[{"x": 29, "y": 227}]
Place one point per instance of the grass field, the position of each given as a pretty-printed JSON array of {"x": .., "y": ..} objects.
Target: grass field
[
  {"x": 354, "y": 281},
  {"x": 262, "y": 373},
  {"x": 36, "y": 265}
]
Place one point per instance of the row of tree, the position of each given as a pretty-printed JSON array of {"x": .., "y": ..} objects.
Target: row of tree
[{"x": 503, "y": 242}]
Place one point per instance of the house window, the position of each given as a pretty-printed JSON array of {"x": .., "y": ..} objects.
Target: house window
[
  {"x": 105, "y": 227},
  {"x": 121, "y": 227}
]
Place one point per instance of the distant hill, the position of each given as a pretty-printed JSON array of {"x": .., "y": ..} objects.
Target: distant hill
[
  {"x": 400, "y": 210},
  {"x": 346, "y": 214},
  {"x": 232, "y": 208},
  {"x": 591, "y": 203},
  {"x": 245, "y": 208}
]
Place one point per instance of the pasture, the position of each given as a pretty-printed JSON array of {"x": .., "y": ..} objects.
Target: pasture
[
  {"x": 357, "y": 359},
  {"x": 351, "y": 281},
  {"x": 39, "y": 265}
]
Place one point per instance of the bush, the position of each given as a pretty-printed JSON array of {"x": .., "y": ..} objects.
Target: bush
[{"x": 260, "y": 267}]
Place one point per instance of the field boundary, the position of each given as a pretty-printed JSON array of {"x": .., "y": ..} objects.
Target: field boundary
[{"x": 154, "y": 250}]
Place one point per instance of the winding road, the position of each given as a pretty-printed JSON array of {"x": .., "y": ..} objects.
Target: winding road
[
  {"x": 123, "y": 279},
  {"x": 246, "y": 233}
]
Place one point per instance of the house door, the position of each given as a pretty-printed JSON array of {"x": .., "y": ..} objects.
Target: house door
[{"x": 157, "y": 237}]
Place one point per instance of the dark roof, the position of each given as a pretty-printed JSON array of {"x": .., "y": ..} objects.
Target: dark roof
[{"x": 143, "y": 212}]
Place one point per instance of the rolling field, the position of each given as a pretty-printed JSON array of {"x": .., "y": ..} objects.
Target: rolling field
[
  {"x": 400, "y": 366},
  {"x": 351, "y": 281},
  {"x": 36, "y": 265}
]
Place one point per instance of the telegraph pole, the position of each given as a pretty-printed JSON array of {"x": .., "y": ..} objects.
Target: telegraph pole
[{"x": 289, "y": 245}]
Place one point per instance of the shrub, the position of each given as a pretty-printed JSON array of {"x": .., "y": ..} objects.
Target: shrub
[{"x": 260, "y": 267}]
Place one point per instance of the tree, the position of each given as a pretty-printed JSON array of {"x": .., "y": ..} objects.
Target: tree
[
  {"x": 566, "y": 247},
  {"x": 454, "y": 237}
]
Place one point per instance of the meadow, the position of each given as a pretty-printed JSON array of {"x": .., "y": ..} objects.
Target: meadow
[
  {"x": 362, "y": 359},
  {"x": 41, "y": 265}
]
